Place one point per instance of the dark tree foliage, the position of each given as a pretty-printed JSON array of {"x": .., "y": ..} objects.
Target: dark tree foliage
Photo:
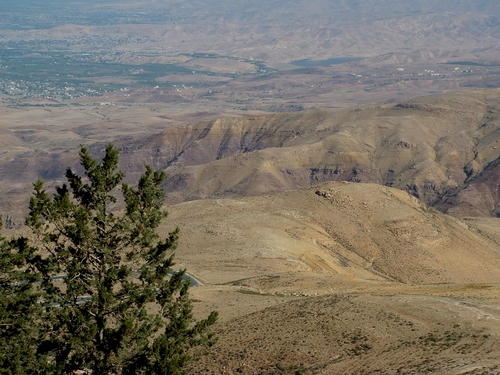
[
  {"x": 18, "y": 310},
  {"x": 108, "y": 300}
]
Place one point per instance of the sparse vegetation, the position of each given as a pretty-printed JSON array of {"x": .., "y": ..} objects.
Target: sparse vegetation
[{"x": 338, "y": 278}]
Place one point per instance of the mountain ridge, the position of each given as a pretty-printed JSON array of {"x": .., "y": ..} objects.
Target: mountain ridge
[
  {"x": 442, "y": 149},
  {"x": 428, "y": 146}
]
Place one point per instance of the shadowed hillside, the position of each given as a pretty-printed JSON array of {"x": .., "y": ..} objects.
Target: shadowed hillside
[
  {"x": 432, "y": 147},
  {"x": 442, "y": 149}
]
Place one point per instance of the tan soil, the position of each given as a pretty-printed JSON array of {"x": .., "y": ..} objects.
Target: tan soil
[{"x": 289, "y": 276}]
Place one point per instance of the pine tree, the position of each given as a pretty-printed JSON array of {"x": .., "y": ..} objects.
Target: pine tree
[
  {"x": 19, "y": 309},
  {"x": 108, "y": 299}
]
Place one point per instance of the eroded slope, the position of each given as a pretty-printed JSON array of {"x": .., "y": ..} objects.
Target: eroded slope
[
  {"x": 442, "y": 149},
  {"x": 357, "y": 231},
  {"x": 429, "y": 146}
]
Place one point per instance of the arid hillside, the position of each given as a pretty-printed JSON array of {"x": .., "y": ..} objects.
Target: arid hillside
[
  {"x": 333, "y": 165},
  {"x": 441, "y": 149},
  {"x": 360, "y": 231},
  {"x": 363, "y": 333},
  {"x": 342, "y": 278}
]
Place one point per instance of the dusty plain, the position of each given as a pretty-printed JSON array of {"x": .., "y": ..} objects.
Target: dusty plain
[{"x": 333, "y": 166}]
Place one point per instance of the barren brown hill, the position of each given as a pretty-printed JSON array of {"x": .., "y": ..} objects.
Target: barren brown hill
[
  {"x": 309, "y": 282},
  {"x": 360, "y": 231},
  {"x": 360, "y": 334},
  {"x": 442, "y": 149},
  {"x": 428, "y": 146}
]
